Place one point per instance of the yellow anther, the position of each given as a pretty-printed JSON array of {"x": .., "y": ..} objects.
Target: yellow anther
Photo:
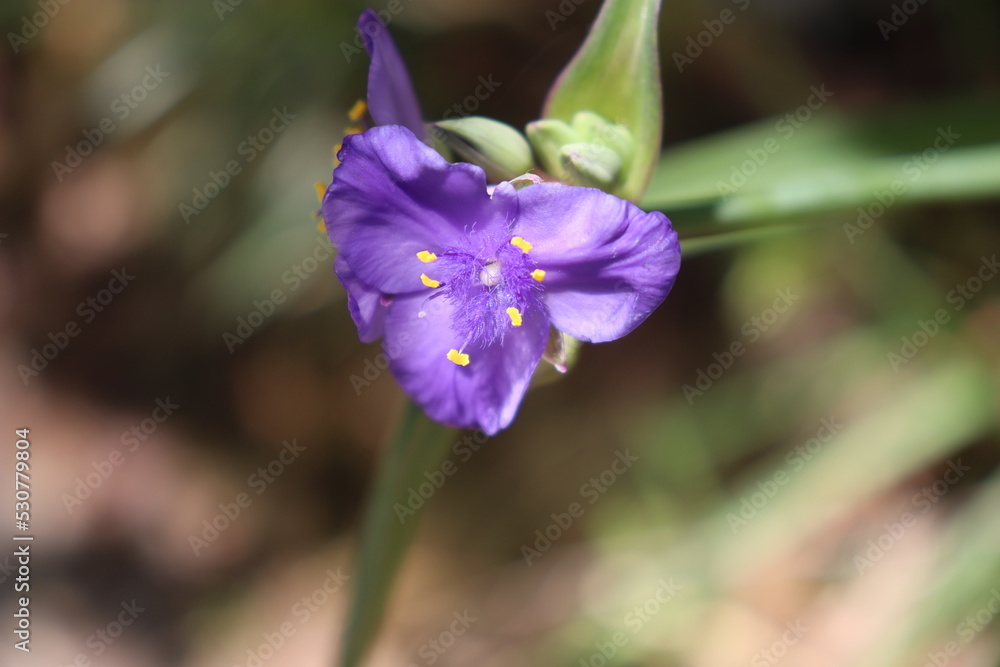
[
  {"x": 519, "y": 242},
  {"x": 354, "y": 129},
  {"x": 430, "y": 282},
  {"x": 515, "y": 316},
  {"x": 320, "y": 191},
  {"x": 336, "y": 149},
  {"x": 426, "y": 256},
  {"x": 457, "y": 357},
  {"x": 538, "y": 275},
  {"x": 357, "y": 111}
]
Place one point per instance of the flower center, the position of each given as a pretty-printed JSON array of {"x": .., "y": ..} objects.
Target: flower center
[
  {"x": 492, "y": 274},
  {"x": 492, "y": 284}
]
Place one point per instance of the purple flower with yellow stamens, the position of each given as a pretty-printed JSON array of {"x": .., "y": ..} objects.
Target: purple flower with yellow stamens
[{"x": 464, "y": 283}]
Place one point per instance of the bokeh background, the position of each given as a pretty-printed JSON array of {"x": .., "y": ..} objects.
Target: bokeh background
[{"x": 819, "y": 501}]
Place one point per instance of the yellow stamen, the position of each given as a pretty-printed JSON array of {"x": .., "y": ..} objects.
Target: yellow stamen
[
  {"x": 357, "y": 111},
  {"x": 354, "y": 129},
  {"x": 457, "y": 357},
  {"x": 430, "y": 282},
  {"x": 519, "y": 242},
  {"x": 538, "y": 275},
  {"x": 336, "y": 149},
  {"x": 515, "y": 316},
  {"x": 426, "y": 256},
  {"x": 320, "y": 191}
]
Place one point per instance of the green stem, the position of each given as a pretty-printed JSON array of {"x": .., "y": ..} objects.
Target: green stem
[{"x": 418, "y": 446}]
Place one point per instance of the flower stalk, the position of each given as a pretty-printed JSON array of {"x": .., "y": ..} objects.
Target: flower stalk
[{"x": 419, "y": 445}]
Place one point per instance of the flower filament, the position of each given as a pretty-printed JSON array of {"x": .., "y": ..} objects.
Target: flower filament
[{"x": 492, "y": 285}]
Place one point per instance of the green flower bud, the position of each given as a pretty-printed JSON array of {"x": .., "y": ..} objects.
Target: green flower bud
[
  {"x": 548, "y": 138},
  {"x": 590, "y": 151},
  {"x": 594, "y": 129},
  {"x": 616, "y": 74},
  {"x": 591, "y": 165},
  {"x": 496, "y": 147}
]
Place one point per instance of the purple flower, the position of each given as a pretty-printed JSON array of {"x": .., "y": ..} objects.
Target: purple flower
[
  {"x": 391, "y": 99},
  {"x": 464, "y": 286}
]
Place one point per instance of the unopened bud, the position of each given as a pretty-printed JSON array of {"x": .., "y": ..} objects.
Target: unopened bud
[
  {"x": 496, "y": 147},
  {"x": 591, "y": 165},
  {"x": 548, "y": 137},
  {"x": 595, "y": 129}
]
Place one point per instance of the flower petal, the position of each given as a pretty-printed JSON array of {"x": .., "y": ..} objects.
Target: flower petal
[
  {"x": 608, "y": 264},
  {"x": 364, "y": 302},
  {"x": 393, "y": 197},
  {"x": 391, "y": 99},
  {"x": 484, "y": 394}
]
